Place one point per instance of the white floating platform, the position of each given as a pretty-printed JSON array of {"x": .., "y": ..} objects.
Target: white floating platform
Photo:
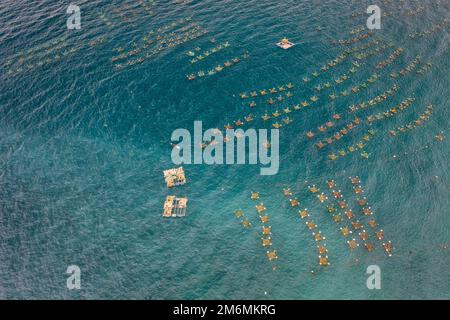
[{"x": 285, "y": 44}]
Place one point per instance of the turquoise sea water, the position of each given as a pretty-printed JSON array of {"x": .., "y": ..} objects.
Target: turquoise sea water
[{"x": 83, "y": 146}]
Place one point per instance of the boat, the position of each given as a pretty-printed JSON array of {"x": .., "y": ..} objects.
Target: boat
[
  {"x": 303, "y": 213},
  {"x": 276, "y": 125},
  {"x": 294, "y": 202},
  {"x": 310, "y": 134},
  {"x": 345, "y": 231},
  {"x": 311, "y": 225},
  {"x": 379, "y": 234},
  {"x": 272, "y": 255},
  {"x": 353, "y": 244},
  {"x": 238, "y": 213},
  {"x": 331, "y": 184},
  {"x": 266, "y": 242},
  {"x": 320, "y": 145},
  {"x": 287, "y": 120},
  {"x": 322, "y": 197},
  {"x": 388, "y": 248},
  {"x": 349, "y": 214},
  {"x": 266, "y": 230},
  {"x": 372, "y": 223},
  {"x": 363, "y": 235},
  {"x": 254, "y": 195}
]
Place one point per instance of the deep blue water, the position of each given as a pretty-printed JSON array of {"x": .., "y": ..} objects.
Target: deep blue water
[{"x": 83, "y": 146}]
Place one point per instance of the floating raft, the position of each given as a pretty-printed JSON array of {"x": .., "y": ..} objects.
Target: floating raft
[
  {"x": 175, "y": 207},
  {"x": 285, "y": 44},
  {"x": 174, "y": 177}
]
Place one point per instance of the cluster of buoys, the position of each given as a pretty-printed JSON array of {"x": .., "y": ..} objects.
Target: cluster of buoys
[
  {"x": 416, "y": 11},
  {"x": 266, "y": 239},
  {"x": 373, "y": 52},
  {"x": 360, "y": 145},
  {"x": 281, "y": 90},
  {"x": 424, "y": 68},
  {"x": 357, "y": 30},
  {"x": 424, "y": 117},
  {"x": 272, "y": 101},
  {"x": 340, "y": 79},
  {"x": 162, "y": 44},
  {"x": 340, "y": 208},
  {"x": 242, "y": 219},
  {"x": 51, "y": 51},
  {"x": 146, "y": 5},
  {"x": 158, "y": 35},
  {"x": 355, "y": 89},
  {"x": 202, "y": 55},
  {"x": 324, "y": 127},
  {"x": 440, "y": 137},
  {"x": 328, "y": 65},
  {"x": 331, "y": 208},
  {"x": 339, "y": 134},
  {"x": 341, "y": 58},
  {"x": 274, "y": 115},
  {"x": 38, "y": 51},
  {"x": 391, "y": 112},
  {"x": 367, "y": 211},
  {"x": 219, "y": 68},
  {"x": 363, "y": 46},
  {"x": 125, "y": 13},
  {"x": 374, "y": 101},
  {"x": 392, "y": 57},
  {"x": 99, "y": 40},
  {"x": 312, "y": 227},
  {"x": 408, "y": 69},
  {"x": 264, "y": 92},
  {"x": 357, "y": 38},
  {"x": 266, "y": 229},
  {"x": 440, "y": 26}
]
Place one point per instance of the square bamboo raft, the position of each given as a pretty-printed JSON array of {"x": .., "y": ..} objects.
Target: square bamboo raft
[
  {"x": 285, "y": 44},
  {"x": 174, "y": 177},
  {"x": 175, "y": 207}
]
